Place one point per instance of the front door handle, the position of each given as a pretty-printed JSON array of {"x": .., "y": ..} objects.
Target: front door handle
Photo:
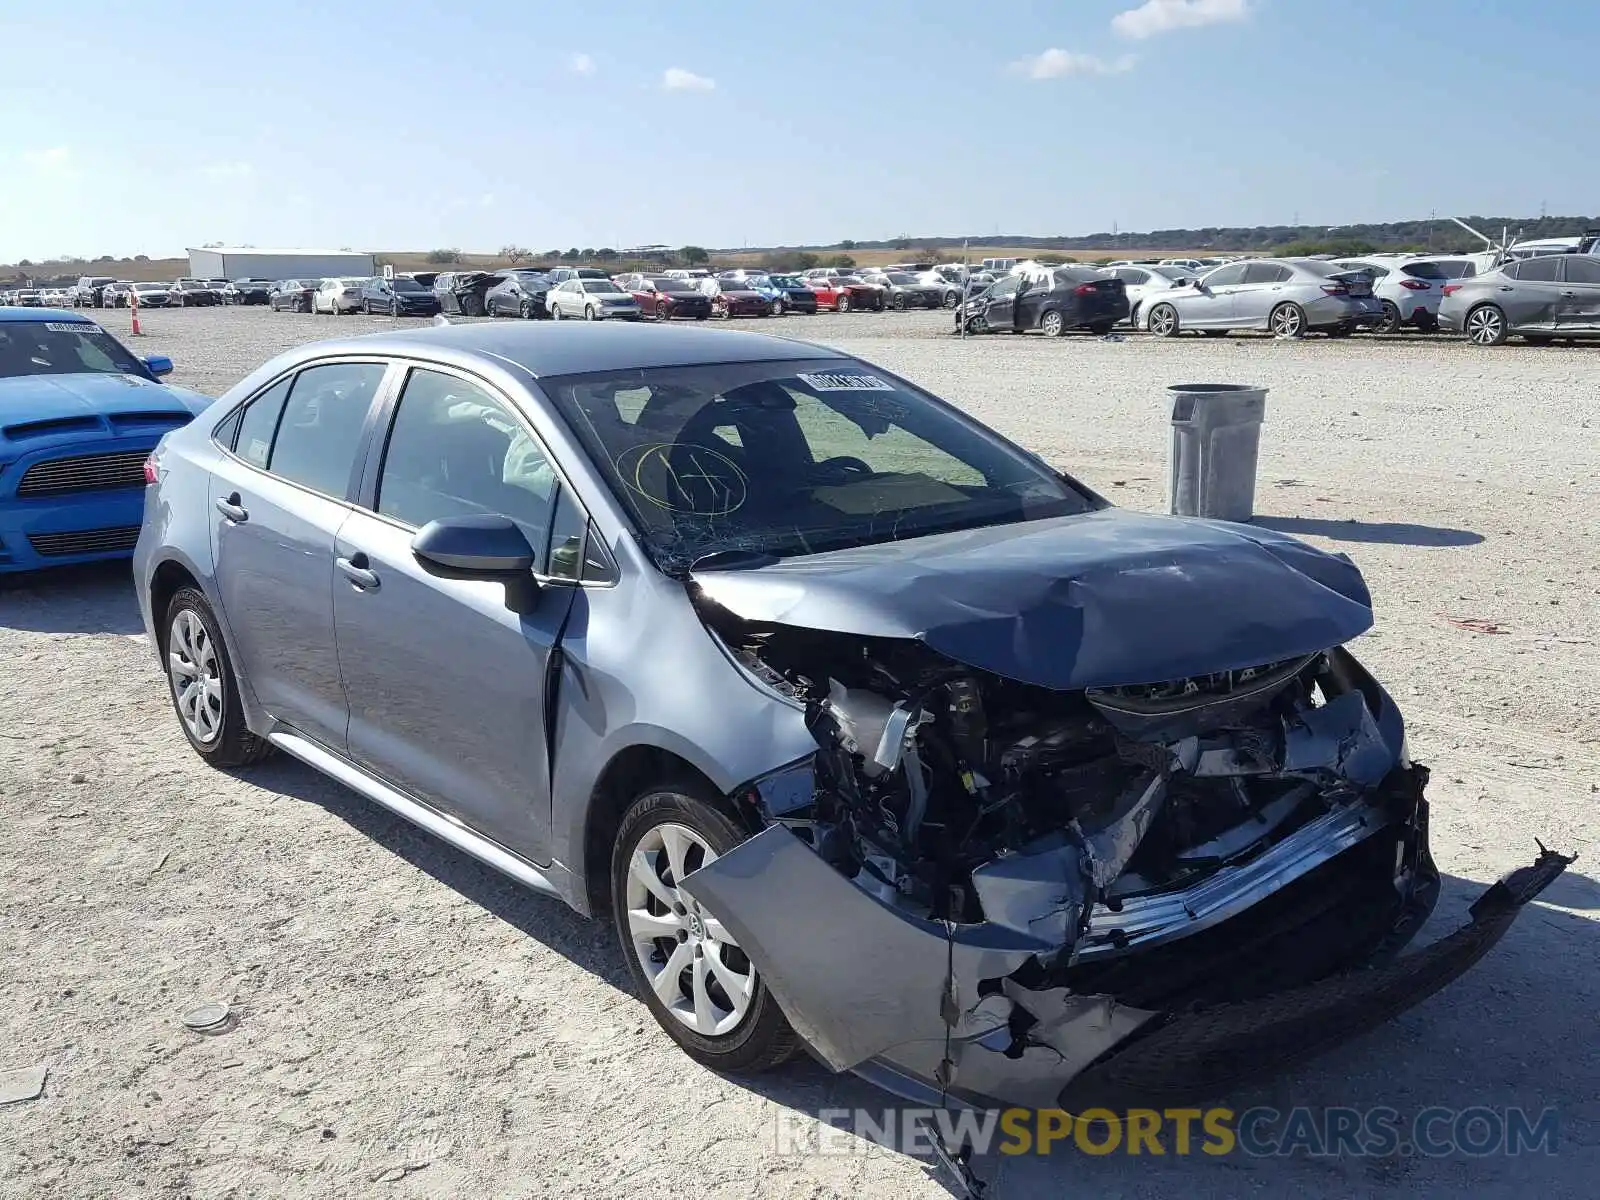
[
  {"x": 356, "y": 570},
  {"x": 230, "y": 508},
  {"x": 1568, "y": 295}
]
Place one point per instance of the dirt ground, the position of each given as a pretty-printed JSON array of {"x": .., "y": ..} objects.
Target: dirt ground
[{"x": 413, "y": 1025}]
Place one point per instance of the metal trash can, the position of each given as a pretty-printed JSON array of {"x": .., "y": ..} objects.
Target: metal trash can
[{"x": 1216, "y": 439}]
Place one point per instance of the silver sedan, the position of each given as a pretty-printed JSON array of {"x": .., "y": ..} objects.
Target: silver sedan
[{"x": 1284, "y": 296}]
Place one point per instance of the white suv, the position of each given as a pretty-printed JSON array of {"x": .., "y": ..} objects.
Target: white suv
[{"x": 1409, "y": 289}]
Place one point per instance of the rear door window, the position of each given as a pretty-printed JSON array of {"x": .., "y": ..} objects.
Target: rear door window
[
  {"x": 1266, "y": 273},
  {"x": 258, "y": 423},
  {"x": 320, "y": 430},
  {"x": 1583, "y": 269}
]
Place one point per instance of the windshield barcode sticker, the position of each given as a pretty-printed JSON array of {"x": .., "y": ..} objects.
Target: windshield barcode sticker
[
  {"x": 845, "y": 383},
  {"x": 72, "y": 327}
]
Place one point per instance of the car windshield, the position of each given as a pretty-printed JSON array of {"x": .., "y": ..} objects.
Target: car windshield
[
  {"x": 672, "y": 285},
  {"x": 62, "y": 348},
  {"x": 406, "y": 285},
  {"x": 148, "y": 287},
  {"x": 602, "y": 286},
  {"x": 787, "y": 281},
  {"x": 900, "y": 277},
  {"x": 788, "y": 458}
]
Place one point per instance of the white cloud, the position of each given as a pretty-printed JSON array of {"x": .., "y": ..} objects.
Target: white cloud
[
  {"x": 676, "y": 79},
  {"x": 223, "y": 171},
  {"x": 1053, "y": 64},
  {"x": 53, "y": 159},
  {"x": 581, "y": 64},
  {"x": 1163, "y": 16}
]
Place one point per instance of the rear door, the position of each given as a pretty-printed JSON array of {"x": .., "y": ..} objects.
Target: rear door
[
  {"x": 1579, "y": 310},
  {"x": 447, "y": 678},
  {"x": 279, "y": 497},
  {"x": 1257, "y": 294}
]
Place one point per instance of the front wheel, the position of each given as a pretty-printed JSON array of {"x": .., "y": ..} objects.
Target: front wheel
[
  {"x": 1164, "y": 321},
  {"x": 1486, "y": 326},
  {"x": 1287, "y": 320},
  {"x": 899, "y": 304},
  {"x": 698, "y": 984},
  {"x": 589, "y": 314},
  {"x": 525, "y": 310},
  {"x": 844, "y": 304},
  {"x": 204, "y": 690},
  {"x": 951, "y": 300},
  {"x": 555, "y": 311}
]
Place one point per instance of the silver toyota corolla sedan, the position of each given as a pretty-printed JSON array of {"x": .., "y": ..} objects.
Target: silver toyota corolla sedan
[
  {"x": 869, "y": 731},
  {"x": 1284, "y": 296}
]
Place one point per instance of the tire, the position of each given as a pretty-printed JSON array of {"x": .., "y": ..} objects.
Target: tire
[
  {"x": 525, "y": 310},
  {"x": 950, "y": 300},
  {"x": 589, "y": 314},
  {"x": 899, "y": 304},
  {"x": 844, "y": 304},
  {"x": 680, "y": 815},
  {"x": 1164, "y": 321},
  {"x": 1486, "y": 326},
  {"x": 1287, "y": 320},
  {"x": 1052, "y": 324},
  {"x": 661, "y": 311},
  {"x": 216, "y": 729},
  {"x": 1390, "y": 321},
  {"x": 775, "y": 309},
  {"x": 555, "y": 311}
]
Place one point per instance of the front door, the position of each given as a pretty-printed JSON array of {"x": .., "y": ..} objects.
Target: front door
[
  {"x": 1209, "y": 305},
  {"x": 445, "y": 679},
  {"x": 1000, "y": 311},
  {"x": 278, "y": 504}
]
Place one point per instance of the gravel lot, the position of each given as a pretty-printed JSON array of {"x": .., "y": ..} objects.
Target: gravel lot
[{"x": 415, "y": 1026}]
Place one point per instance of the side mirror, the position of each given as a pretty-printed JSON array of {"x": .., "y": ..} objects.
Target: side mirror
[
  {"x": 474, "y": 547},
  {"x": 158, "y": 365}
]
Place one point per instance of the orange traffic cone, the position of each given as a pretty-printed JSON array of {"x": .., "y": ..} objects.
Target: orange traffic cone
[{"x": 133, "y": 303}]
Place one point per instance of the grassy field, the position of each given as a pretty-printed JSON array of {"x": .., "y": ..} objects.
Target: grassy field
[{"x": 161, "y": 269}]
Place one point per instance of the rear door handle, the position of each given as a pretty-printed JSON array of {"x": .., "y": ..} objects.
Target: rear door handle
[
  {"x": 230, "y": 507},
  {"x": 356, "y": 570},
  {"x": 1568, "y": 295}
]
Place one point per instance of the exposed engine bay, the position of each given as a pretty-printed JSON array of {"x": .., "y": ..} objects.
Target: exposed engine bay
[{"x": 933, "y": 777}]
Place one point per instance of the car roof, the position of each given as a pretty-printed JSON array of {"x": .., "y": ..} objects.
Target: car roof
[
  {"x": 572, "y": 348},
  {"x": 42, "y": 314}
]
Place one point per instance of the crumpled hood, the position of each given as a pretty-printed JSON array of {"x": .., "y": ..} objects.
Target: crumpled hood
[
  {"x": 1094, "y": 600},
  {"x": 27, "y": 398}
]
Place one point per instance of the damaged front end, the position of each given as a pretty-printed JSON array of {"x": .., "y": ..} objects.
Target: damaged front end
[{"x": 980, "y": 889}]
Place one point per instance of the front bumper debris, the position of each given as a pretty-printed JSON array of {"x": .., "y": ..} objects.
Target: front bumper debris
[{"x": 934, "y": 1010}]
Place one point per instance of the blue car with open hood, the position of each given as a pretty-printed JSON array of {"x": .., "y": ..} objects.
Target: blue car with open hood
[{"x": 79, "y": 415}]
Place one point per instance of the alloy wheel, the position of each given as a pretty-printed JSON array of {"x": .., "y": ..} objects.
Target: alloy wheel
[
  {"x": 1486, "y": 326},
  {"x": 693, "y": 965},
  {"x": 196, "y": 676},
  {"x": 1164, "y": 320},
  {"x": 1287, "y": 320},
  {"x": 1051, "y": 325}
]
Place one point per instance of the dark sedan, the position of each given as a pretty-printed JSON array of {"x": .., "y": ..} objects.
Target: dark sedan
[
  {"x": 735, "y": 298},
  {"x": 193, "y": 293},
  {"x": 1069, "y": 298},
  {"x": 797, "y": 297},
  {"x": 664, "y": 298},
  {"x": 463, "y": 292},
  {"x": 293, "y": 295},
  {"x": 248, "y": 291},
  {"x": 518, "y": 292},
  {"x": 903, "y": 291},
  {"x": 399, "y": 297}
]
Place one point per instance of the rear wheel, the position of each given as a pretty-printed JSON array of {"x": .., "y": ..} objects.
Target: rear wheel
[
  {"x": 696, "y": 981},
  {"x": 1486, "y": 326},
  {"x": 1287, "y": 320},
  {"x": 1164, "y": 321},
  {"x": 204, "y": 690},
  {"x": 1390, "y": 321},
  {"x": 1051, "y": 324}
]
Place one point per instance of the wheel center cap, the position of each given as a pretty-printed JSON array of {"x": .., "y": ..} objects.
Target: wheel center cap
[{"x": 697, "y": 928}]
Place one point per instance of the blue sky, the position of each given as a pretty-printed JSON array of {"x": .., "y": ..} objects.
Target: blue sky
[{"x": 153, "y": 125}]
